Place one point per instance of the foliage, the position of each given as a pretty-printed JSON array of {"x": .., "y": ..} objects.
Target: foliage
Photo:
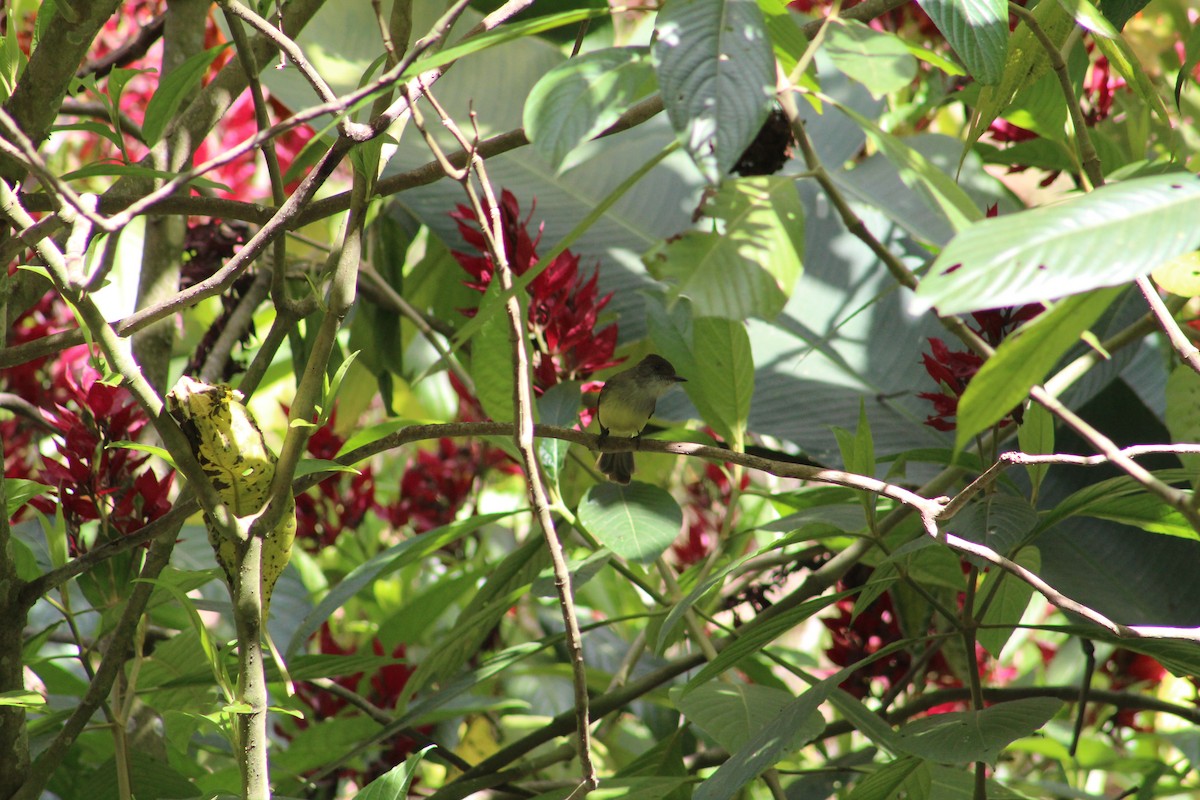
[{"x": 920, "y": 523}]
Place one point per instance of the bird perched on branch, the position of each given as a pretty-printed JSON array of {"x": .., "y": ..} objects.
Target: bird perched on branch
[{"x": 626, "y": 403}]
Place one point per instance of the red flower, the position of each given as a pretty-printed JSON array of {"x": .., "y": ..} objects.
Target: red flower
[
  {"x": 338, "y": 503},
  {"x": 1126, "y": 668},
  {"x": 952, "y": 370},
  {"x": 93, "y": 480},
  {"x": 436, "y": 485},
  {"x": 709, "y": 502},
  {"x": 875, "y": 627},
  {"x": 563, "y": 310}
]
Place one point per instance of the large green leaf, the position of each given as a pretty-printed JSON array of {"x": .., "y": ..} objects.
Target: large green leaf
[
  {"x": 1105, "y": 238},
  {"x": 637, "y": 522},
  {"x": 723, "y": 381},
  {"x": 733, "y": 712},
  {"x": 940, "y": 191},
  {"x": 978, "y": 32},
  {"x": 716, "y": 71},
  {"x": 1024, "y": 360},
  {"x": 581, "y": 97},
  {"x": 1025, "y": 61},
  {"x": 797, "y": 722},
  {"x": 747, "y": 261},
  {"x": 492, "y": 358},
  {"x": 964, "y": 736},
  {"x": 879, "y": 61}
]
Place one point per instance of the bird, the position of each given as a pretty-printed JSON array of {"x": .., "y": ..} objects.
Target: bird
[{"x": 626, "y": 403}]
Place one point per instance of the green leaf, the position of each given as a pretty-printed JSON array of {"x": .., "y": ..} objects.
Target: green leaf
[
  {"x": 1098, "y": 497},
  {"x": 1112, "y": 235},
  {"x": 22, "y": 699},
  {"x": 1036, "y": 437},
  {"x": 1024, "y": 360},
  {"x": 384, "y": 563},
  {"x": 559, "y": 405},
  {"x": 879, "y": 61},
  {"x": 721, "y": 381},
  {"x": 173, "y": 88},
  {"x": 19, "y": 491},
  {"x": 1118, "y": 12},
  {"x": 371, "y": 434},
  {"x": 582, "y": 97},
  {"x": 508, "y": 32},
  {"x": 999, "y": 521},
  {"x": 308, "y": 466},
  {"x": 637, "y": 522},
  {"x": 1088, "y": 17},
  {"x": 732, "y": 712},
  {"x": 1008, "y": 604},
  {"x": 867, "y": 722},
  {"x": 963, "y": 736},
  {"x": 978, "y": 32},
  {"x": 797, "y": 722},
  {"x": 746, "y": 261},
  {"x": 393, "y": 784},
  {"x": 492, "y": 358},
  {"x": 1183, "y": 414},
  {"x": 716, "y": 72},
  {"x": 885, "y": 781},
  {"x": 1142, "y": 510},
  {"x": 787, "y": 37},
  {"x": 858, "y": 449}
]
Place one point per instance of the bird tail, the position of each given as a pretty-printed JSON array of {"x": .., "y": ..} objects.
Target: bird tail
[{"x": 617, "y": 466}]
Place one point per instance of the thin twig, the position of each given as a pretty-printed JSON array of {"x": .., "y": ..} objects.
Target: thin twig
[{"x": 491, "y": 222}]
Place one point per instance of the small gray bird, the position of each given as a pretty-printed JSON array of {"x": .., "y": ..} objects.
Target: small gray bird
[{"x": 626, "y": 404}]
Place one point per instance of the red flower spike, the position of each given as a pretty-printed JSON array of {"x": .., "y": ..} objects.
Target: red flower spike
[
  {"x": 952, "y": 370},
  {"x": 563, "y": 310}
]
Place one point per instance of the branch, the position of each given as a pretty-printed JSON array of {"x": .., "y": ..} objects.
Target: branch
[{"x": 491, "y": 222}]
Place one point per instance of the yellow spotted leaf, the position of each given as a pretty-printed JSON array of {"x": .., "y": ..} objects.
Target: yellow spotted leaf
[{"x": 234, "y": 454}]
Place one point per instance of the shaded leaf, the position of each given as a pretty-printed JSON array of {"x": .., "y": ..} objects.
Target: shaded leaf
[
  {"x": 747, "y": 264},
  {"x": 879, "y": 61},
  {"x": 732, "y": 712},
  {"x": 716, "y": 72}
]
